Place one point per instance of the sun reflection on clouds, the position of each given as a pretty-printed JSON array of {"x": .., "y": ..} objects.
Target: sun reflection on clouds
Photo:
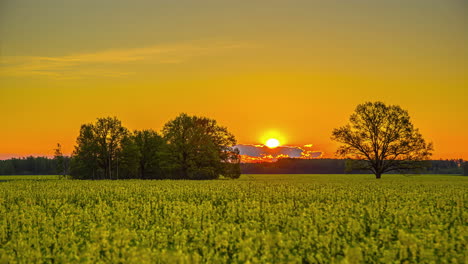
[{"x": 262, "y": 153}]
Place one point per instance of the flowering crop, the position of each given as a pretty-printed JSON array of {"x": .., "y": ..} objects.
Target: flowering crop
[{"x": 255, "y": 219}]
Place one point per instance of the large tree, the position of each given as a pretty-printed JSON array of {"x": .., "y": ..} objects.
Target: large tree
[
  {"x": 150, "y": 150},
  {"x": 99, "y": 147},
  {"x": 381, "y": 138},
  {"x": 198, "y": 148}
]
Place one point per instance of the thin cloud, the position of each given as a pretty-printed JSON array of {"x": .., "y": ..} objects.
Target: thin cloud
[{"x": 97, "y": 63}]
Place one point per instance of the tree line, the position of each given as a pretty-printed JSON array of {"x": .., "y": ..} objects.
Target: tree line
[
  {"x": 28, "y": 166},
  {"x": 52, "y": 166},
  {"x": 379, "y": 138},
  {"x": 188, "y": 147},
  {"x": 342, "y": 166}
]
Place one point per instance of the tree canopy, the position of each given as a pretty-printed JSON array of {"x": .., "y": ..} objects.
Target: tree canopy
[
  {"x": 150, "y": 147},
  {"x": 199, "y": 148},
  {"x": 381, "y": 139},
  {"x": 190, "y": 147},
  {"x": 98, "y": 149}
]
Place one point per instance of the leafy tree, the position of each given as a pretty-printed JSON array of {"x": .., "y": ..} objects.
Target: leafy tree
[
  {"x": 128, "y": 159},
  {"x": 198, "y": 148},
  {"x": 98, "y": 149},
  {"x": 84, "y": 163},
  {"x": 381, "y": 139},
  {"x": 150, "y": 152}
]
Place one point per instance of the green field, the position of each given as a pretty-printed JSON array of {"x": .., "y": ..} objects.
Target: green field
[
  {"x": 255, "y": 219},
  {"x": 28, "y": 177}
]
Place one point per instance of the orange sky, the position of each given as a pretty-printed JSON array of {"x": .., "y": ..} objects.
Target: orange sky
[{"x": 297, "y": 68}]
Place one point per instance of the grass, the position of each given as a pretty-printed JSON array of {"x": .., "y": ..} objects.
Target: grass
[
  {"x": 28, "y": 177},
  {"x": 255, "y": 219}
]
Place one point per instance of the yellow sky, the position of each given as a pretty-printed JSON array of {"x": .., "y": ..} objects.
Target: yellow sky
[{"x": 295, "y": 67}]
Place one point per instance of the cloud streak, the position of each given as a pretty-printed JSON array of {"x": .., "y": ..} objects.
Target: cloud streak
[
  {"x": 261, "y": 153},
  {"x": 100, "y": 63}
]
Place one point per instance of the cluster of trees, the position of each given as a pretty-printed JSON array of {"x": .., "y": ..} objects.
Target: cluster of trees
[
  {"x": 189, "y": 147},
  {"x": 28, "y": 166}
]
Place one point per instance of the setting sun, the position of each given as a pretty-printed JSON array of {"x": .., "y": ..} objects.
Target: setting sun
[{"x": 272, "y": 143}]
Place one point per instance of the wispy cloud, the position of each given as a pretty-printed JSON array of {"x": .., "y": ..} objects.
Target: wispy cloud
[{"x": 100, "y": 63}]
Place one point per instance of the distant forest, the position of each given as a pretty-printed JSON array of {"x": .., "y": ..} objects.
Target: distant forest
[
  {"x": 338, "y": 166},
  {"x": 48, "y": 166},
  {"x": 29, "y": 166}
]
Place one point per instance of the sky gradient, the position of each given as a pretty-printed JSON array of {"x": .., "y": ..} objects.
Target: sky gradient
[{"x": 294, "y": 69}]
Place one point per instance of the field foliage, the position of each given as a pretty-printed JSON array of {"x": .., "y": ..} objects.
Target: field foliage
[
  {"x": 29, "y": 177},
  {"x": 254, "y": 219}
]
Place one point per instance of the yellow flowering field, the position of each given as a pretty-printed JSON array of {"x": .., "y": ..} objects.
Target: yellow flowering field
[{"x": 254, "y": 219}]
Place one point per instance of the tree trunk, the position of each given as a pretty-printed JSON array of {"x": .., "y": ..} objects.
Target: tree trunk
[
  {"x": 110, "y": 168},
  {"x": 184, "y": 166},
  {"x": 117, "y": 168},
  {"x": 378, "y": 175}
]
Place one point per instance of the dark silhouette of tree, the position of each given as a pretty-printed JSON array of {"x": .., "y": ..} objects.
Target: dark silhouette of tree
[
  {"x": 126, "y": 162},
  {"x": 198, "y": 148},
  {"x": 84, "y": 162},
  {"x": 191, "y": 148},
  {"x": 99, "y": 147},
  {"x": 381, "y": 139},
  {"x": 465, "y": 168},
  {"x": 61, "y": 162},
  {"x": 150, "y": 152}
]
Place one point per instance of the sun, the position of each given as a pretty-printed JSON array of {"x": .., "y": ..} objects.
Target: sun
[{"x": 272, "y": 143}]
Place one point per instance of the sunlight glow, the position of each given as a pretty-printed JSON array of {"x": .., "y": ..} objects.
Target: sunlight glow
[{"x": 272, "y": 143}]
